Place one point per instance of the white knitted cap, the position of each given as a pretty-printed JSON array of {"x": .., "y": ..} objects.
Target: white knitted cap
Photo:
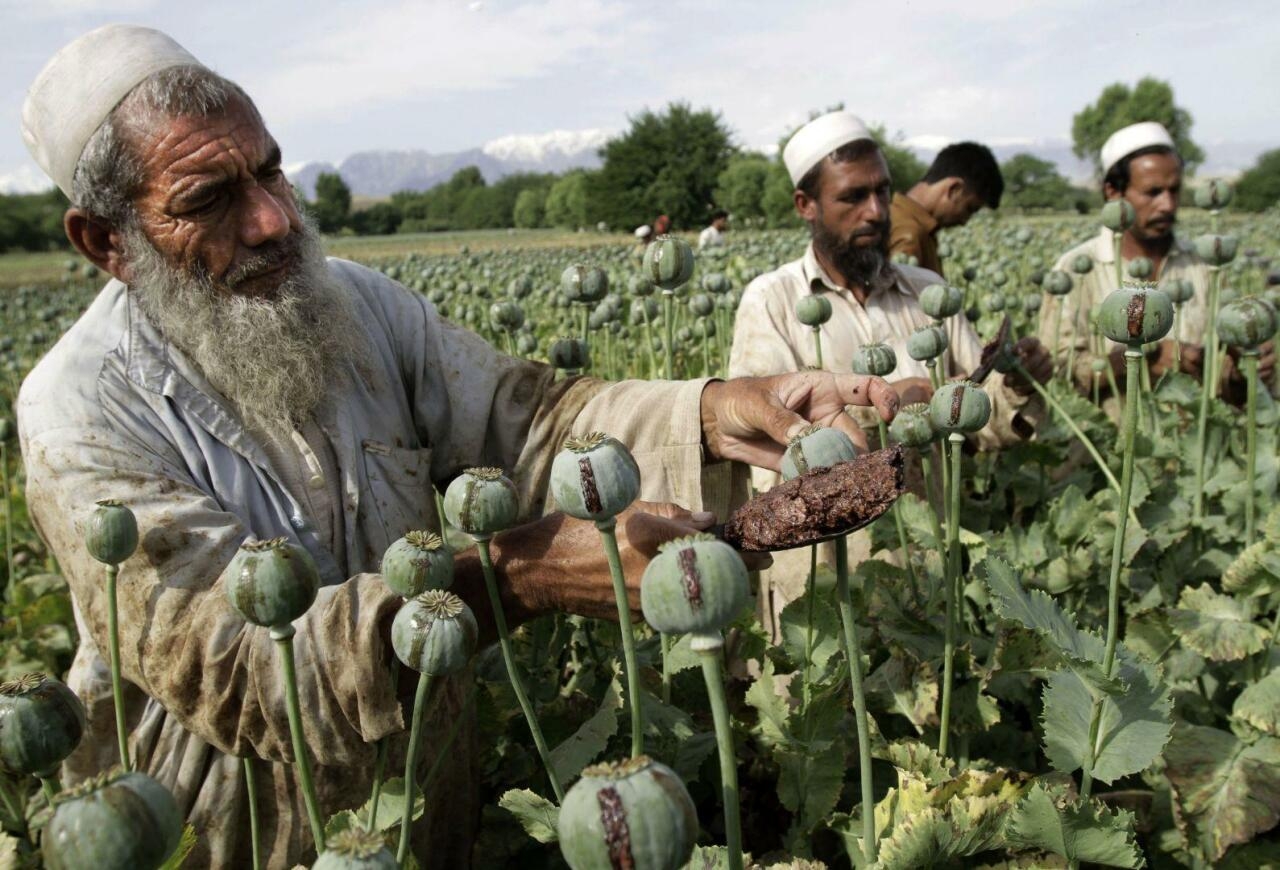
[
  {"x": 815, "y": 140},
  {"x": 1135, "y": 137},
  {"x": 82, "y": 83}
]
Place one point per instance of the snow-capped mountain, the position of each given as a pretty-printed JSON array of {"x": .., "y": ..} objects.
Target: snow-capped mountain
[{"x": 382, "y": 173}]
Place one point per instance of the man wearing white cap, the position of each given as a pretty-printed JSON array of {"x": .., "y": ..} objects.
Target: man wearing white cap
[
  {"x": 231, "y": 383},
  {"x": 1141, "y": 165},
  {"x": 842, "y": 187}
]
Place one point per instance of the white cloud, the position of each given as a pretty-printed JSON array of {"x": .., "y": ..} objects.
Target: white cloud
[
  {"x": 24, "y": 179},
  {"x": 411, "y": 51}
]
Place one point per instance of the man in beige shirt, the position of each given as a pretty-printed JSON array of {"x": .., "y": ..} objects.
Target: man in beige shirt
[
  {"x": 1141, "y": 166},
  {"x": 842, "y": 192}
]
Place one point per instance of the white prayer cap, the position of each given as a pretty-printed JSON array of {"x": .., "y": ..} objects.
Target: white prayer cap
[
  {"x": 815, "y": 140},
  {"x": 643, "y": 230},
  {"x": 82, "y": 83},
  {"x": 1135, "y": 137}
]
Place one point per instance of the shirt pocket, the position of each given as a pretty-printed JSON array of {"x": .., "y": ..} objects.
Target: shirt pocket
[{"x": 400, "y": 493}]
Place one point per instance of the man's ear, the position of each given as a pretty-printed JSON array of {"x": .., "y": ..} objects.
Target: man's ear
[
  {"x": 1109, "y": 191},
  {"x": 954, "y": 189},
  {"x": 96, "y": 241},
  {"x": 806, "y": 207}
]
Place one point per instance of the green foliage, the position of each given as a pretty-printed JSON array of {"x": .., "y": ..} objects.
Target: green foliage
[
  {"x": 1033, "y": 183},
  {"x": 332, "y": 205},
  {"x": 741, "y": 187},
  {"x": 537, "y": 815},
  {"x": 567, "y": 201},
  {"x": 1217, "y": 626},
  {"x": 530, "y": 209},
  {"x": 1259, "y": 187},
  {"x": 666, "y": 162},
  {"x": 1227, "y": 789},
  {"x": 1120, "y": 105},
  {"x": 1049, "y": 820},
  {"x": 32, "y": 221}
]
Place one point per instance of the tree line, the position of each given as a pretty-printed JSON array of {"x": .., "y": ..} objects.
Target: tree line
[{"x": 683, "y": 163}]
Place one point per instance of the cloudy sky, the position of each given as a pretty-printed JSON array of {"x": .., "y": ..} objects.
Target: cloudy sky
[{"x": 333, "y": 78}]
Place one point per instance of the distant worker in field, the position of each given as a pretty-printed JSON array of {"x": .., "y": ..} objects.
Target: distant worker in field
[
  {"x": 1141, "y": 165},
  {"x": 963, "y": 178},
  {"x": 713, "y": 235},
  {"x": 661, "y": 225},
  {"x": 842, "y": 189},
  {"x": 232, "y": 383}
]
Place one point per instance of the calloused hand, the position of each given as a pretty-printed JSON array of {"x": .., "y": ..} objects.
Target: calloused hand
[{"x": 751, "y": 419}]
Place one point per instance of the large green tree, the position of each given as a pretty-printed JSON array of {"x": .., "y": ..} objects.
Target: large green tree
[
  {"x": 741, "y": 186},
  {"x": 567, "y": 201},
  {"x": 1031, "y": 182},
  {"x": 530, "y": 208},
  {"x": 1119, "y": 106},
  {"x": 667, "y": 162},
  {"x": 1259, "y": 188},
  {"x": 332, "y": 206}
]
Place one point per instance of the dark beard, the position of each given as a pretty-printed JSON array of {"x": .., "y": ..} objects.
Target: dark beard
[{"x": 864, "y": 266}]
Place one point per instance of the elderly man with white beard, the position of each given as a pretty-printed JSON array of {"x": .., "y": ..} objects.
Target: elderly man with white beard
[{"x": 230, "y": 383}]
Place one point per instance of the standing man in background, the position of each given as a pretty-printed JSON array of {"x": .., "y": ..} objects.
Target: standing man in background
[
  {"x": 964, "y": 177},
  {"x": 713, "y": 235}
]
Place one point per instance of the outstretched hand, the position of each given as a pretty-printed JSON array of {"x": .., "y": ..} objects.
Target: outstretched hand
[{"x": 751, "y": 419}]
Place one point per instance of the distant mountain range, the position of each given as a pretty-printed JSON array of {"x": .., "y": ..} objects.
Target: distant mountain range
[{"x": 380, "y": 173}]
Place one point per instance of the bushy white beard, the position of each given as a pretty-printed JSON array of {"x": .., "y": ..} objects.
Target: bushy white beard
[{"x": 275, "y": 359}]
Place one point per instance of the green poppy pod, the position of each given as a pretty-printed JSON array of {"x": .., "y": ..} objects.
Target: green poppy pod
[
  {"x": 941, "y": 300},
  {"x": 1058, "y": 283},
  {"x": 115, "y": 821},
  {"x": 1214, "y": 195},
  {"x": 1098, "y": 365},
  {"x": 960, "y": 406},
  {"x": 927, "y": 342},
  {"x": 434, "y": 633},
  {"x": 272, "y": 582},
  {"x": 1216, "y": 250},
  {"x": 640, "y": 286},
  {"x": 1140, "y": 268},
  {"x": 41, "y": 723},
  {"x": 417, "y": 562},
  {"x": 877, "y": 360},
  {"x": 518, "y": 288},
  {"x": 1082, "y": 264},
  {"x": 913, "y": 426},
  {"x": 1135, "y": 314},
  {"x": 1118, "y": 215},
  {"x": 111, "y": 533},
  {"x": 584, "y": 284},
  {"x": 1246, "y": 323},
  {"x": 594, "y": 477},
  {"x": 1031, "y": 304},
  {"x": 355, "y": 849},
  {"x": 701, "y": 305},
  {"x": 567, "y": 352},
  {"x": 694, "y": 584},
  {"x": 526, "y": 344},
  {"x": 813, "y": 310},
  {"x": 993, "y": 302},
  {"x": 999, "y": 278},
  {"x": 1179, "y": 290},
  {"x": 635, "y": 814},
  {"x": 716, "y": 282},
  {"x": 816, "y": 446},
  {"x": 668, "y": 261},
  {"x": 481, "y": 501}
]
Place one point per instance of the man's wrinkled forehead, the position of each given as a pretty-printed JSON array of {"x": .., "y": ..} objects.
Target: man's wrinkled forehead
[{"x": 181, "y": 154}]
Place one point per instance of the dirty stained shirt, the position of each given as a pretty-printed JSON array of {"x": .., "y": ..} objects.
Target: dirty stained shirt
[
  {"x": 112, "y": 411},
  {"x": 768, "y": 339}
]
